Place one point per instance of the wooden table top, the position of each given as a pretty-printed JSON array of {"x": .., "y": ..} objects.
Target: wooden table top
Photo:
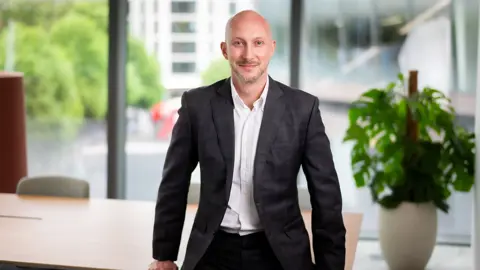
[
  {"x": 82, "y": 233},
  {"x": 75, "y": 233}
]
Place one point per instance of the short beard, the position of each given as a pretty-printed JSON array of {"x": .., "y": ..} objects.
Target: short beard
[{"x": 250, "y": 80}]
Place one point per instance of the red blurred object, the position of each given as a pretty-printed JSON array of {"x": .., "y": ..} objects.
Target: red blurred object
[
  {"x": 156, "y": 112},
  {"x": 167, "y": 127},
  {"x": 164, "y": 113}
]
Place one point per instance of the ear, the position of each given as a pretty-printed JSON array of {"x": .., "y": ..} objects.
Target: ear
[{"x": 223, "y": 47}]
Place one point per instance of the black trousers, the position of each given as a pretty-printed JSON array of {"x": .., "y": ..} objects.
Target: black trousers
[{"x": 234, "y": 252}]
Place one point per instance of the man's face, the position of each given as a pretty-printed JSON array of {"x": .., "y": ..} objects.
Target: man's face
[{"x": 248, "y": 48}]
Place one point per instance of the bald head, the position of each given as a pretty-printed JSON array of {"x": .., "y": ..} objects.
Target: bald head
[
  {"x": 246, "y": 16},
  {"x": 248, "y": 46}
]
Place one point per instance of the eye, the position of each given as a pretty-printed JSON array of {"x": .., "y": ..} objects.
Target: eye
[
  {"x": 236, "y": 43},
  {"x": 259, "y": 42}
]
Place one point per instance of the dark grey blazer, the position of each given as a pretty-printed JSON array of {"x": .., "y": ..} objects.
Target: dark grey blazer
[{"x": 292, "y": 134}]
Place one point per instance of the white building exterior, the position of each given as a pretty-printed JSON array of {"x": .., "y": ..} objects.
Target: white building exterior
[{"x": 184, "y": 35}]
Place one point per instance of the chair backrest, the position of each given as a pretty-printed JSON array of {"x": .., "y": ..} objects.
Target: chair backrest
[
  {"x": 353, "y": 223},
  {"x": 55, "y": 186}
]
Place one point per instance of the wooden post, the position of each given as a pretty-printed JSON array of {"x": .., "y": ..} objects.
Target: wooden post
[
  {"x": 13, "y": 142},
  {"x": 412, "y": 126}
]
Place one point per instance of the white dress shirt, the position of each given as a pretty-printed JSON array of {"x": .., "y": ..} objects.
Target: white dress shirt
[{"x": 241, "y": 215}]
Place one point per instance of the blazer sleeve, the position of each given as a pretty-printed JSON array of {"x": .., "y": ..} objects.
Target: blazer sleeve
[
  {"x": 181, "y": 159},
  {"x": 328, "y": 229}
]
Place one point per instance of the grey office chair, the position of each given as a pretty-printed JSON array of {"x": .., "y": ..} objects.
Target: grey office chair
[{"x": 55, "y": 186}]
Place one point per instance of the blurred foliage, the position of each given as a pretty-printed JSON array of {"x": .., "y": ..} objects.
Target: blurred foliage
[
  {"x": 399, "y": 168},
  {"x": 62, "y": 49},
  {"x": 217, "y": 70}
]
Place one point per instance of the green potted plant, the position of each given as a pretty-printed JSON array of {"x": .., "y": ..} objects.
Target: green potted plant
[{"x": 411, "y": 154}]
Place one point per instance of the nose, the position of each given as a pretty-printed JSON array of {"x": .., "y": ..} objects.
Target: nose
[{"x": 248, "y": 52}]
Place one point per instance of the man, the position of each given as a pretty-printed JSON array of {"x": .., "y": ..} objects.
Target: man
[{"x": 250, "y": 135}]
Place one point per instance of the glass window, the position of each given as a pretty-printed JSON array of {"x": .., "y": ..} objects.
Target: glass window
[
  {"x": 233, "y": 8},
  {"x": 156, "y": 48},
  {"x": 149, "y": 133},
  {"x": 183, "y": 7},
  {"x": 183, "y": 27},
  {"x": 61, "y": 48},
  {"x": 155, "y": 27},
  {"x": 279, "y": 19},
  {"x": 210, "y": 6},
  {"x": 183, "y": 67},
  {"x": 465, "y": 34},
  {"x": 352, "y": 46},
  {"x": 183, "y": 47}
]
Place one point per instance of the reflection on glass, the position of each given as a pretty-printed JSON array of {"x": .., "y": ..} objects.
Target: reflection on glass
[{"x": 351, "y": 46}]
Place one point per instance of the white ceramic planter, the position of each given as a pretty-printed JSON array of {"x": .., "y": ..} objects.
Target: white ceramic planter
[{"x": 408, "y": 235}]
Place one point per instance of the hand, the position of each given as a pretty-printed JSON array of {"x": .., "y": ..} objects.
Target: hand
[{"x": 162, "y": 265}]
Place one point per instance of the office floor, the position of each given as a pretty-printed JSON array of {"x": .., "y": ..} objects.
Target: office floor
[{"x": 444, "y": 257}]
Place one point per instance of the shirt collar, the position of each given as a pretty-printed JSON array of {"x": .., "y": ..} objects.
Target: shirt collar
[{"x": 259, "y": 102}]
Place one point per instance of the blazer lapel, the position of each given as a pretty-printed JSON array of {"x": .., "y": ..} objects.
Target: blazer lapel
[
  {"x": 272, "y": 117},
  {"x": 222, "y": 106}
]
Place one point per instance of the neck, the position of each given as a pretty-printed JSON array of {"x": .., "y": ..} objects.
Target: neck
[{"x": 250, "y": 92}]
